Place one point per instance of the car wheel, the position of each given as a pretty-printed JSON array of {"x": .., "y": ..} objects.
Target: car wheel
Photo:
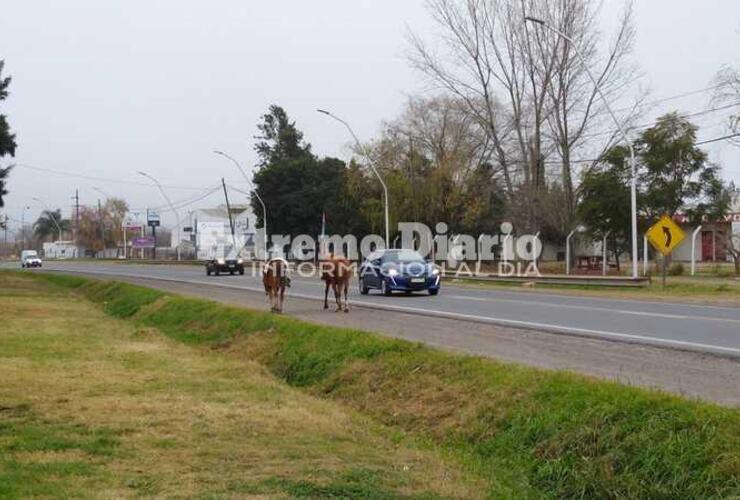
[
  {"x": 434, "y": 291},
  {"x": 363, "y": 289},
  {"x": 384, "y": 288},
  {"x": 241, "y": 272},
  {"x": 208, "y": 272},
  {"x": 218, "y": 273}
]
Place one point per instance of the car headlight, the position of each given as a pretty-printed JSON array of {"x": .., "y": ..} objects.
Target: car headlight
[
  {"x": 221, "y": 262},
  {"x": 392, "y": 272},
  {"x": 240, "y": 261},
  {"x": 435, "y": 271}
]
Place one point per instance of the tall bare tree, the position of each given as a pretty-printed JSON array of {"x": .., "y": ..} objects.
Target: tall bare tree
[
  {"x": 436, "y": 160},
  {"x": 525, "y": 85},
  {"x": 727, "y": 91}
]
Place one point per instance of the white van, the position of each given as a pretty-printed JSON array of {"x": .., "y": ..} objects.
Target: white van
[{"x": 29, "y": 258}]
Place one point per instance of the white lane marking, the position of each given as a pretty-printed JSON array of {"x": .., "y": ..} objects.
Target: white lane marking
[
  {"x": 594, "y": 308},
  {"x": 627, "y": 337},
  {"x": 470, "y": 287}
]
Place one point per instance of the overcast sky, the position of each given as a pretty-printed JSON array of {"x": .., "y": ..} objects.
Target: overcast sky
[{"x": 106, "y": 88}]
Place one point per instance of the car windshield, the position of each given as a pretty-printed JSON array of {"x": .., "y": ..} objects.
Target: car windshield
[
  {"x": 402, "y": 256},
  {"x": 31, "y": 253}
]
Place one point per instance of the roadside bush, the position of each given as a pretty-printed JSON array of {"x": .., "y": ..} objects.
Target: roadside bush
[{"x": 676, "y": 269}]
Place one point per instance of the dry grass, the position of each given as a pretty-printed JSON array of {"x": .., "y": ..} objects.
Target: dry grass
[{"x": 94, "y": 406}]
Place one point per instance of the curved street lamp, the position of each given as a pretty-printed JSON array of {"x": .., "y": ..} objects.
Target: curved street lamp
[
  {"x": 254, "y": 191},
  {"x": 102, "y": 192},
  {"x": 372, "y": 166},
  {"x": 620, "y": 127},
  {"x": 172, "y": 208}
]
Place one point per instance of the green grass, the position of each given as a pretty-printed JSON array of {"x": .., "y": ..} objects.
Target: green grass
[
  {"x": 96, "y": 406},
  {"x": 529, "y": 433},
  {"x": 22, "y": 432}
]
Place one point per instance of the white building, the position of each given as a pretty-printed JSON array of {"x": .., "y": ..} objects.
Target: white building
[
  {"x": 210, "y": 230},
  {"x": 62, "y": 250}
]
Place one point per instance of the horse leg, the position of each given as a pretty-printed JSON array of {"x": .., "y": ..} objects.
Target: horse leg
[
  {"x": 337, "y": 296},
  {"x": 326, "y": 295},
  {"x": 282, "y": 298},
  {"x": 346, "y": 291}
]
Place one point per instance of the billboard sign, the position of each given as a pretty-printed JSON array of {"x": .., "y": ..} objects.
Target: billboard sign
[
  {"x": 152, "y": 218},
  {"x": 143, "y": 242}
]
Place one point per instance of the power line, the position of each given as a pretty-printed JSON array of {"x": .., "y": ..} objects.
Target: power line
[
  {"x": 706, "y": 141},
  {"x": 184, "y": 202},
  {"x": 101, "y": 179},
  {"x": 678, "y": 96},
  {"x": 648, "y": 125},
  {"x": 717, "y": 139}
]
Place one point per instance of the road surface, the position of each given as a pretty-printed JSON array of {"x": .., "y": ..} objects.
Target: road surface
[{"x": 702, "y": 328}]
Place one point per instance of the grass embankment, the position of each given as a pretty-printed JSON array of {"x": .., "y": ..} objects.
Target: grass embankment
[
  {"x": 526, "y": 432},
  {"x": 92, "y": 406}
]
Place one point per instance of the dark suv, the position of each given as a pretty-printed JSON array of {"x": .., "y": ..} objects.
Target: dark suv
[{"x": 220, "y": 265}]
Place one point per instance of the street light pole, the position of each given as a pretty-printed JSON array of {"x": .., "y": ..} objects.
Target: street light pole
[
  {"x": 256, "y": 194},
  {"x": 172, "y": 208},
  {"x": 620, "y": 127},
  {"x": 54, "y": 219},
  {"x": 372, "y": 166},
  {"x": 23, "y": 226}
]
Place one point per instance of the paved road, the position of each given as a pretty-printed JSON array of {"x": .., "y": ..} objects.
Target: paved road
[{"x": 693, "y": 327}]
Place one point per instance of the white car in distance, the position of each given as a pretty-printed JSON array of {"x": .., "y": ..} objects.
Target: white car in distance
[{"x": 30, "y": 258}]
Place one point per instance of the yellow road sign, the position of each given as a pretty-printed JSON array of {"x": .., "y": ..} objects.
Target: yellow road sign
[{"x": 665, "y": 235}]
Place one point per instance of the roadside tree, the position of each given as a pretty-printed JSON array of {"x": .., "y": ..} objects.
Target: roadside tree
[
  {"x": 296, "y": 186},
  {"x": 7, "y": 139},
  {"x": 527, "y": 88},
  {"x": 675, "y": 175},
  {"x": 46, "y": 225},
  {"x": 604, "y": 202}
]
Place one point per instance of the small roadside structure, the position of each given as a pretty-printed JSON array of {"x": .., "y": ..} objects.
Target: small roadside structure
[{"x": 62, "y": 250}]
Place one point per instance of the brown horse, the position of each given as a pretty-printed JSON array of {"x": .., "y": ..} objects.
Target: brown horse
[
  {"x": 276, "y": 280},
  {"x": 336, "y": 272}
]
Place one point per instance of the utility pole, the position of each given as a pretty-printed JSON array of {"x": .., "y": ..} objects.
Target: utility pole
[
  {"x": 5, "y": 238},
  {"x": 256, "y": 194},
  {"x": 102, "y": 229},
  {"x": 228, "y": 211},
  {"x": 77, "y": 213}
]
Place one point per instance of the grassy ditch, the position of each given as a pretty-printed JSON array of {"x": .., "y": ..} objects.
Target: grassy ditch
[
  {"x": 527, "y": 432},
  {"x": 95, "y": 407}
]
